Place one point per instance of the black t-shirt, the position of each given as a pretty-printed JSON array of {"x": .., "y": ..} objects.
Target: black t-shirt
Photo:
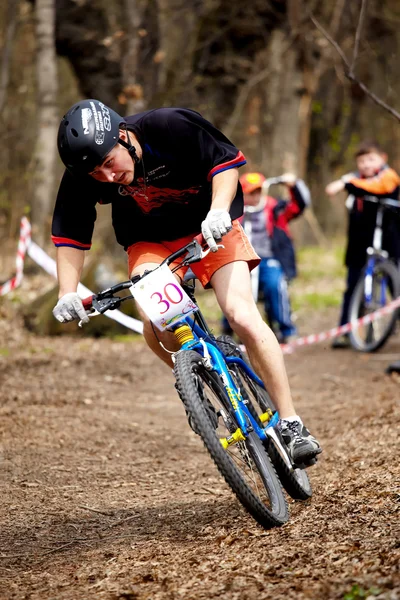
[{"x": 181, "y": 154}]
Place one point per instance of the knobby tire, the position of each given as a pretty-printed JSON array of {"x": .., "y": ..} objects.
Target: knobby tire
[
  {"x": 188, "y": 368},
  {"x": 357, "y": 302}
]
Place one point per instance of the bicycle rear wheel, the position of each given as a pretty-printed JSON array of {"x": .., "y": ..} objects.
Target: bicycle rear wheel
[
  {"x": 294, "y": 480},
  {"x": 245, "y": 465},
  {"x": 385, "y": 287}
]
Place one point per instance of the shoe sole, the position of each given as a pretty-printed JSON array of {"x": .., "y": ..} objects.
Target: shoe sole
[{"x": 307, "y": 459}]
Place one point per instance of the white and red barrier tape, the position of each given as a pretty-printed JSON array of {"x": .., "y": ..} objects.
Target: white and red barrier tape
[
  {"x": 25, "y": 245},
  {"x": 340, "y": 330}
]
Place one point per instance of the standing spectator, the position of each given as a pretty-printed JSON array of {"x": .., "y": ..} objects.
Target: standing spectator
[
  {"x": 266, "y": 223},
  {"x": 374, "y": 178}
]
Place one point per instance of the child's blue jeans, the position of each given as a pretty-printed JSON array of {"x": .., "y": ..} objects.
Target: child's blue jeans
[{"x": 273, "y": 284}]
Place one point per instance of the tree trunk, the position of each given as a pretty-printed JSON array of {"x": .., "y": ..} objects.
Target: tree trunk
[
  {"x": 8, "y": 42},
  {"x": 47, "y": 121}
]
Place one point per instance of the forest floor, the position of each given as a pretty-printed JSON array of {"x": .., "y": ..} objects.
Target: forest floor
[{"x": 107, "y": 493}]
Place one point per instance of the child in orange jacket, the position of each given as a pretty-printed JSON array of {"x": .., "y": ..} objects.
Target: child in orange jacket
[{"x": 373, "y": 178}]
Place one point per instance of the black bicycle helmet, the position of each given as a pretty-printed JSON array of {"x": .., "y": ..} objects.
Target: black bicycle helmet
[{"x": 87, "y": 133}]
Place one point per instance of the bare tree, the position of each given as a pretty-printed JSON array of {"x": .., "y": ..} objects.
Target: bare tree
[
  {"x": 350, "y": 67},
  {"x": 9, "y": 38},
  {"x": 45, "y": 151}
]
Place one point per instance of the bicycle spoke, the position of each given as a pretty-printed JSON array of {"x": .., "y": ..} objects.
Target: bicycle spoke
[{"x": 248, "y": 463}]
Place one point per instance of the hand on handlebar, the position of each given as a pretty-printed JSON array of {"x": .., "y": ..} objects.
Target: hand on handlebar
[
  {"x": 70, "y": 308},
  {"x": 216, "y": 224}
]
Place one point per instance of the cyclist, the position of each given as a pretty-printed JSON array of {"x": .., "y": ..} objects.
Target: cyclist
[
  {"x": 169, "y": 174},
  {"x": 268, "y": 218},
  {"x": 373, "y": 178}
]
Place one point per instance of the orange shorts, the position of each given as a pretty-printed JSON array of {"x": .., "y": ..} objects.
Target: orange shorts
[{"x": 236, "y": 247}]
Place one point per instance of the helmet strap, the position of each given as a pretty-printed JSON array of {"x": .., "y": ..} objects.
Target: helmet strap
[{"x": 130, "y": 147}]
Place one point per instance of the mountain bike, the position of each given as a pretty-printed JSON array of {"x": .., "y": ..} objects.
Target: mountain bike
[
  {"x": 378, "y": 285},
  {"x": 226, "y": 403}
]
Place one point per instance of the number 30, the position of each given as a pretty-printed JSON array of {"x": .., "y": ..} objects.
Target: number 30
[{"x": 169, "y": 300}]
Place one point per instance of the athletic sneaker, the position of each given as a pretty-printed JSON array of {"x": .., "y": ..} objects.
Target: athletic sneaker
[
  {"x": 393, "y": 368},
  {"x": 302, "y": 446}
]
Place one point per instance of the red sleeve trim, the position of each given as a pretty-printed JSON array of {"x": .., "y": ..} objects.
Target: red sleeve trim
[
  {"x": 236, "y": 162},
  {"x": 61, "y": 241}
]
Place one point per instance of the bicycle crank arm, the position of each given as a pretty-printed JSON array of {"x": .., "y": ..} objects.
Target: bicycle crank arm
[{"x": 279, "y": 446}]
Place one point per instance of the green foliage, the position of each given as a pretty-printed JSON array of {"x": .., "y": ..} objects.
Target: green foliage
[
  {"x": 357, "y": 593},
  {"x": 334, "y": 140},
  {"x": 317, "y": 300},
  {"x": 321, "y": 277},
  {"x": 317, "y": 107}
]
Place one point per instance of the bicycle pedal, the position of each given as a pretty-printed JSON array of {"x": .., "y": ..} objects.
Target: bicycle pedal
[{"x": 307, "y": 464}]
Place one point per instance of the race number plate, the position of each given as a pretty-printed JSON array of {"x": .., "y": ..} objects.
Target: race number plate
[{"x": 162, "y": 298}]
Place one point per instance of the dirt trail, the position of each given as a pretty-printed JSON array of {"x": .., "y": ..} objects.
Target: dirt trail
[{"x": 106, "y": 492}]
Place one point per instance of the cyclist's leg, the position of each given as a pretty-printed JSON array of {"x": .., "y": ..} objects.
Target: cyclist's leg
[
  {"x": 263, "y": 287},
  {"x": 228, "y": 272},
  {"x": 231, "y": 284},
  {"x": 232, "y": 288}
]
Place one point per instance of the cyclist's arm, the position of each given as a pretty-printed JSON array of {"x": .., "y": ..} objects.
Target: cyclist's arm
[
  {"x": 69, "y": 269},
  {"x": 338, "y": 185},
  {"x": 224, "y": 188},
  {"x": 382, "y": 184}
]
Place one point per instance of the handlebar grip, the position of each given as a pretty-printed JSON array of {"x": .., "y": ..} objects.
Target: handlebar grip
[
  {"x": 87, "y": 302},
  {"x": 199, "y": 238}
]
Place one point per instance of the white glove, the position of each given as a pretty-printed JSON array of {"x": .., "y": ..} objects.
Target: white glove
[
  {"x": 288, "y": 178},
  {"x": 216, "y": 224},
  {"x": 70, "y": 307}
]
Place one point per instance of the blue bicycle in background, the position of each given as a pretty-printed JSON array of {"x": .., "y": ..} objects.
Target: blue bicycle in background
[
  {"x": 226, "y": 403},
  {"x": 378, "y": 285}
]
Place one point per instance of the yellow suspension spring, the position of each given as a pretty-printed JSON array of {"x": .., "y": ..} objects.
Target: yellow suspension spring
[
  {"x": 236, "y": 437},
  {"x": 267, "y": 416},
  {"x": 183, "y": 334}
]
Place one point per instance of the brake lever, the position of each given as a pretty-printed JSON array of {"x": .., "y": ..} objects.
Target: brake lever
[
  {"x": 101, "y": 305},
  {"x": 93, "y": 313},
  {"x": 205, "y": 252}
]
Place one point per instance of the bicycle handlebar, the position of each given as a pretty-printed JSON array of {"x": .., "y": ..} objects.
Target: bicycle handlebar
[
  {"x": 385, "y": 201},
  {"x": 106, "y": 300}
]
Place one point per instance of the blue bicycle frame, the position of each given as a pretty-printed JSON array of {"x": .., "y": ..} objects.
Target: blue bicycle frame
[
  {"x": 215, "y": 360},
  {"x": 369, "y": 272}
]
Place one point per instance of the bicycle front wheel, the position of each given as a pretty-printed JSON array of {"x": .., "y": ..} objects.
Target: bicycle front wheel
[
  {"x": 384, "y": 287},
  {"x": 245, "y": 465}
]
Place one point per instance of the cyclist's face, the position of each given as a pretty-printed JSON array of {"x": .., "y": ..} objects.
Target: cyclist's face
[
  {"x": 253, "y": 198},
  {"x": 117, "y": 167},
  {"x": 369, "y": 164}
]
